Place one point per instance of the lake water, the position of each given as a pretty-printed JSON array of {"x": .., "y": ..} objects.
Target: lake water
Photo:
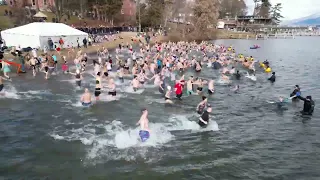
[{"x": 45, "y": 134}]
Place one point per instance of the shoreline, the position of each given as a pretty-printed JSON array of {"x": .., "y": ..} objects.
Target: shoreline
[{"x": 126, "y": 38}]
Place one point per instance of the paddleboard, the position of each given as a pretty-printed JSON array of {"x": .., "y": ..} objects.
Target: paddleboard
[{"x": 144, "y": 135}]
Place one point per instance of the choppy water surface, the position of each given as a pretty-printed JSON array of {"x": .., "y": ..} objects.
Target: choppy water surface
[{"x": 45, "y": 134}]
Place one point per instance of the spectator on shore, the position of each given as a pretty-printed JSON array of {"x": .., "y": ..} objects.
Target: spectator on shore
[
  {"x": 50, "y": 44},
  {"x": 85, "y": 42},
  {"x": 61, "y": 42}
]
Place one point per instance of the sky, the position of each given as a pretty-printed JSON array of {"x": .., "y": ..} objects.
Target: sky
[{"x": 292, "y": 9}]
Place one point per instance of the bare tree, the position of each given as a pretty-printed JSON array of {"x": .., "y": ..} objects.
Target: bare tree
[
  {"x": 205, "y": 18},
  {"x": 58, "y": 9}
]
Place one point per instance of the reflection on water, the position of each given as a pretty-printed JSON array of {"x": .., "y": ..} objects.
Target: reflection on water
[{"x": 45, "y": 132}]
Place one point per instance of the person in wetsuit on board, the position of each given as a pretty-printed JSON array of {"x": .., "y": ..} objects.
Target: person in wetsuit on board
[
  {"x": 204, "y": 119},
  {"x": 308, "y": 105}
]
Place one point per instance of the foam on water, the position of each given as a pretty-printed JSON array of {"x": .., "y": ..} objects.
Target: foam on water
[
  {"x": 253, "y": 78},
  {"x": 129, "y": 89},
  {"x": 10, "y": 92},
  {"x": 223, "y": 82}
]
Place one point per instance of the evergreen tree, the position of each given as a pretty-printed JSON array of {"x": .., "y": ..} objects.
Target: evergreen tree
[{"x": 276, "y": 13}]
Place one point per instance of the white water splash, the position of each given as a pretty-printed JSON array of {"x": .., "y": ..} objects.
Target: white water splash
[
  {"x": 122, "y": 142},
  {"x": 10, "y": 92}
]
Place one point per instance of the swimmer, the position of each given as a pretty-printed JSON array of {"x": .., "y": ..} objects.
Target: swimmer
[
  {"x": 167, "y": 96},
  {"x": 144, "y": 122},
  {"x": 86, "y": 98},
  {"x": 204, "y": 119},
  {"x": 225, "y": 78},
  {"x": 202, "y": 105},
  {"x": 211, "y": 87},
  {"x": 237, "y": 75},
  {"x": 272, "y": 78},
  {"x": 236, "y": 89}
]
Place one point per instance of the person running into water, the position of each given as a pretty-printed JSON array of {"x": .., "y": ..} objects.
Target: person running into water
[
  {"x": 2, "y": 85},
  {"x": 162, "y": 85},
  {"x": 211, "y": 87},
  {"x": 78, "y": 77},
  {"x": 112, "y": 88},
  {"x": 86, "y": 98},
  {"x": 178, "y": 89},
  {"x": 97, "y": 90},
  {"x": 204, "y": 119},
  {"x": 135, "y": 83},
  {"x": 167, "y": 96},
  {"x": 33, "y": 64},
  {"x": 202, "y": 105},
  {"x": 6, "y": 69},
  {"x": 144, "y": 122},
  {"x": 190, "y": 86}
]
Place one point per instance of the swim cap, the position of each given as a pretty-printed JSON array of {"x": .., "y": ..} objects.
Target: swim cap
[
  {"x": 169, "y": 88},
  {"x": 209, "y": 105}
]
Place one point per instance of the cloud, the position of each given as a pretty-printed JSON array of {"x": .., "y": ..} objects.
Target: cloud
[{"x": 292, "y": 9}]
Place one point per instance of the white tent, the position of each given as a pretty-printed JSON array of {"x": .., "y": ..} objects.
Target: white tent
[
  {"x": 37, "y": 34},
  {"x": 40, "y": 15}
]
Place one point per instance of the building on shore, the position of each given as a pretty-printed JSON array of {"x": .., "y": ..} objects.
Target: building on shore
[
  {"x": 245, "y": 23},
  {"x": 128, "y": 10}
]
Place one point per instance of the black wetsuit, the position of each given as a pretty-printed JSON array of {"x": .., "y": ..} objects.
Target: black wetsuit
[
  {"x": 237, "y": 75},
  {"x": 204, "y": 117},
  {"x": 308, "y": 106},
  {"x": 294, "y": 92},
  {"x": 272, "y": 78}
]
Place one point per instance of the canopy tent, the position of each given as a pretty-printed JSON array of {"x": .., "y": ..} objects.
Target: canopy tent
[
  {"x": 37, "y": 34},
  {"x": 40, "y": 15}
]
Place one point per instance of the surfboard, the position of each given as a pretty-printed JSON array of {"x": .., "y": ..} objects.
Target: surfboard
[{"x": 144, "y": 135}]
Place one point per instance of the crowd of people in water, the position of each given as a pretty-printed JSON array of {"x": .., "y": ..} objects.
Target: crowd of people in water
[{"x": 161, "y": 63}]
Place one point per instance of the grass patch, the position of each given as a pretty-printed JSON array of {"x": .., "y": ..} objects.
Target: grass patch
[{"x": 5, "y": 21}]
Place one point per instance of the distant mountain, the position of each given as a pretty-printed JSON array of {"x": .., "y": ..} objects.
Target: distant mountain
[{"x": 313, "y": 19}]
